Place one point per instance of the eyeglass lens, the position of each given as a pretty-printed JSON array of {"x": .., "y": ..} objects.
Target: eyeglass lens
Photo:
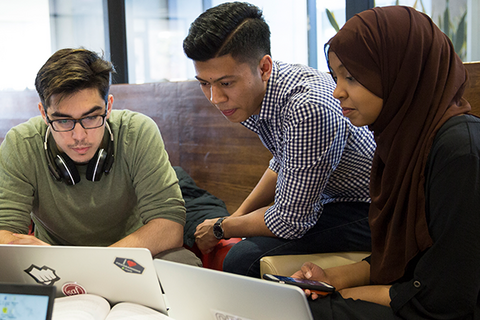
[{"x": 69, "y": 124}]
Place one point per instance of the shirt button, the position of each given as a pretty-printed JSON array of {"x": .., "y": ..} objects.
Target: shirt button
[{"x": 417, "y": 284}]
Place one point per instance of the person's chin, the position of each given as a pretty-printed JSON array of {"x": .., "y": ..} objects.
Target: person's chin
[
  {"x": 81, "y": 159},
  {"x": 237, "y": 117},
  {"x": 357, "y": 122}
]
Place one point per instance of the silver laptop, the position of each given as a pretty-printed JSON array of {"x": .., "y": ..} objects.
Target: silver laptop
[
  {"x": 205, "y": 294},
  {"x": 117, "y": 274},
  {"x": 26, "y": 301}
]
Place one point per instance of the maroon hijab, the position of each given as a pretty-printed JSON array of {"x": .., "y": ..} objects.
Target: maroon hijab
[{"x": 401, "y": 56}]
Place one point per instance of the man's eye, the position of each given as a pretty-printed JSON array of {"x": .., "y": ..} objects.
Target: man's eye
[
  {"x": 63, "y": 121},
  {"x": 225, "y": 84}
]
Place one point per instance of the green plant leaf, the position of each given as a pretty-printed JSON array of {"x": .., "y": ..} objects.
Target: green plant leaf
[
  {"x": 446, "y": 21},
  {"x": 423, "y": 7},
  {"x": 460, "y": 36},
  {"x": 331, "y": 18}
]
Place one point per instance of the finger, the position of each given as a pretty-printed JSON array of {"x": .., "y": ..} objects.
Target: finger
[{"x": 307, "y": 269}]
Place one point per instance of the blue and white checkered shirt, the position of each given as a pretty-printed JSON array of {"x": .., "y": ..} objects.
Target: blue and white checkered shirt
[{"x": 319, "y": 156}]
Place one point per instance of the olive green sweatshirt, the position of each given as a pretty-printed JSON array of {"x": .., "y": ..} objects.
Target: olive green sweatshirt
[{"x": 141, "y": 186}]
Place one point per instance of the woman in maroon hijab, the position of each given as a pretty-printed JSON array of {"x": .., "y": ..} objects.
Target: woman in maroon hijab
[{"x": 399, "y": 74}]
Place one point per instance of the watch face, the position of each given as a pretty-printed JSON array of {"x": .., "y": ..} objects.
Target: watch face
[{"x": 218, "y": 231}]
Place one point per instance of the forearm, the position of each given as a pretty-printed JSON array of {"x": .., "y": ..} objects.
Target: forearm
[
  {"x": 6, "y": 237},
  {"x": 249, "y": 225},
  {"x": 349, "y": 276},
  {"x": 375, "y": 294},
  {"x": 261, "y": 196},
  {"x": 157, "y": 235}
]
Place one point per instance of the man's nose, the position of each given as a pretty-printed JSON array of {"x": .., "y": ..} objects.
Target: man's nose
[
  {"x": 78, "y": 132},
  {"x": 217, "y": 95}
]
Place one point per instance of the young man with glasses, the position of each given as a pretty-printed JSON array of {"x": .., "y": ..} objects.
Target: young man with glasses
[{"x": 86, "y": 174}]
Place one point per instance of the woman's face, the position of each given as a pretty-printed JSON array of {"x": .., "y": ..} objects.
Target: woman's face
[{"x": 358, "y": 104}]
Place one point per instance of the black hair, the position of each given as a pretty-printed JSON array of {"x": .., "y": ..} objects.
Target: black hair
[{"x": 235, "y": 28}]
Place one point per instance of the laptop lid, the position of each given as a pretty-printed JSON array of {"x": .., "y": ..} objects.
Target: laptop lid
[
  {"x": 117, "y": 274},
  {"x": 205, "y": 294},
  {"x": 23, "y": 301}
]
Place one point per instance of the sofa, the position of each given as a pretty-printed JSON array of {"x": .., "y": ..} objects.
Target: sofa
[{"x": 223, "y": 158}]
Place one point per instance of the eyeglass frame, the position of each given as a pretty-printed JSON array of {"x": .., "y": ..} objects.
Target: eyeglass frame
[{"x": 75, "y": 121}]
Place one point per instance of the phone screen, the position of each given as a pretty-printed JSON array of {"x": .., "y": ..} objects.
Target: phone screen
[{"x": 302, "y": 283}]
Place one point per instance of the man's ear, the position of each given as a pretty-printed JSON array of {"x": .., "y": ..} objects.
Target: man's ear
[
  {"x": 109, "y": 105},
  {"x": 266, "y": 66},
  {"x": 42, "y": 112}
]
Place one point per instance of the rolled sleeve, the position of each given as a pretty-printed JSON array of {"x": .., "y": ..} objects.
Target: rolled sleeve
[{"x": 313, "y": 145}]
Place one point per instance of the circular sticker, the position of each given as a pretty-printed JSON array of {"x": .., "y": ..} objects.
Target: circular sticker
[{"x": 72, "y": 288}]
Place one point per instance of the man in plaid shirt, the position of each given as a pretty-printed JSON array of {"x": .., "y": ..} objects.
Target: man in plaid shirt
[{"x": 318, "y": 177}]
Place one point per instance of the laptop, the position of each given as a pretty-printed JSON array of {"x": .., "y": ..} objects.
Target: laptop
[
  {"x": 206, "y": 294},
  {"x": 117, "y": 274},
  {"x": 24, "y": 301}
]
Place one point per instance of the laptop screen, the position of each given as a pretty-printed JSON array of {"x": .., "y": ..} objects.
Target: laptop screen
[{"x": 21, "y": 301}]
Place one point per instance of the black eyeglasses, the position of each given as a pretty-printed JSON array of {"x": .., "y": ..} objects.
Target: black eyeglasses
[{"x": 90, "y": 122}]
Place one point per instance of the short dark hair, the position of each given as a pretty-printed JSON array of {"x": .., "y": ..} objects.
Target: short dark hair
[
  {"x": 68, "y": 71},
  {"x": 236, "y": 28}
]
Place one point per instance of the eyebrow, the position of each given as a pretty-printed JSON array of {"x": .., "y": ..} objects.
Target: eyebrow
[
  {"x": 63, "y": 115},
  {"x": 216, "y": 80},
  {"x": 340, "y": 67}
]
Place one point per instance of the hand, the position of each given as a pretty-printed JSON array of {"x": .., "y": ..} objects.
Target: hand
[
  {"x": 311, "y": 271},
  {"x": 24, "y": 239},
  {"x": 204, "y": 236}
]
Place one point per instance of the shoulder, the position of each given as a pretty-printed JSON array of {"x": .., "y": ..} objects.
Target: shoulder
[
  {"x": 133, "y": 129},
  {"x": 458, "y": 138},
  {"x": 31, "y": 130},
  {"x": 300, "y": 78},
  {"x": 460, "y": 135},
  {"x": 127, "y": 122},
  {"x": 23, "y": 143},
  {"x": 304, "y": 89}
]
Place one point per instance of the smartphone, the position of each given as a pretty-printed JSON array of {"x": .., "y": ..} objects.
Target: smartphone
[{"x": 317, "y": 286}]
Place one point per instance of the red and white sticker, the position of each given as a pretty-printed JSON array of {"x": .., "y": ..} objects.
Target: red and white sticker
[{"x": 73, "y": 288}]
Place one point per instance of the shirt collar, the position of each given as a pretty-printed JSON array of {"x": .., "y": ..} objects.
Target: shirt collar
[{"x": 268, "y": 103}]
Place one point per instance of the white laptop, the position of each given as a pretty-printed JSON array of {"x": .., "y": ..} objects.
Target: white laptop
[
  {"x": 195, "y": 293},
  {"x": 117, "y": 274}
]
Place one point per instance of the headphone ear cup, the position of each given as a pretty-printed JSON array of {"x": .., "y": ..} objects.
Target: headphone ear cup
[
  {"x": 95, "y": 166},
  {"x": 67, "y": 169}
]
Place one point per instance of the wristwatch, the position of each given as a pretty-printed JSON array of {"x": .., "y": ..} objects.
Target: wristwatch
[{"x": 217, "y": 229}]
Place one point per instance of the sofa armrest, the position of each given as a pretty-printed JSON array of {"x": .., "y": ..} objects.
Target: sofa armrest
[{"x": 287, "y": 265}]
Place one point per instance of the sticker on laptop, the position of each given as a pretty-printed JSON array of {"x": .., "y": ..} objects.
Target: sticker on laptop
[
  {"x": 129, "y": 265},
  {"x": 219, "y": 315},
  {"x": 73, "y": 288},
  {"x": 44, "y": 275}
]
